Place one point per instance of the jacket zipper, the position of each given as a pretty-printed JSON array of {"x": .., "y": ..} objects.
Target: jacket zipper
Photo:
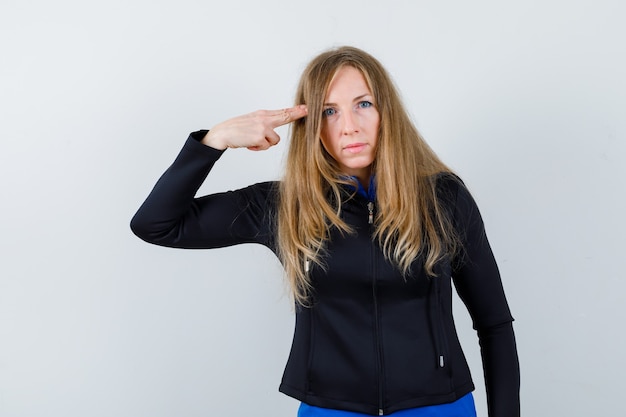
[
  {"x": 379, "y": 360},
  {"x": 439, "y": 347}
]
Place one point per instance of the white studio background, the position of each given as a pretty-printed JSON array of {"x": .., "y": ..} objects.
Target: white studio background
[{"x": 526, "y": 100}]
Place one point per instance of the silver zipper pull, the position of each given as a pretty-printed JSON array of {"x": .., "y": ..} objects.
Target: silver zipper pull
[
  {"x": 307, "y": 265},
  {"x": 380, "y": 412},
  {"x": 441, "y": 362},
  {"x": 370, "y": 208}
]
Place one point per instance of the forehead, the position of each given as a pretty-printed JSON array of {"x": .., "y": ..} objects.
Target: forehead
[{"x": 348, "y": 80}]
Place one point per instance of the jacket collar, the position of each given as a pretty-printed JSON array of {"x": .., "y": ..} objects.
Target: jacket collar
[{"x": 370, "y": 194}]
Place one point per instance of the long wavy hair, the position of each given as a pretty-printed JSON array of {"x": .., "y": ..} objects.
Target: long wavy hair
[{"x": 409, "y": 220}]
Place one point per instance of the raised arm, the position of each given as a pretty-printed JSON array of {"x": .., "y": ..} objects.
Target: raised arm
[{"x": 173, "y": 216}]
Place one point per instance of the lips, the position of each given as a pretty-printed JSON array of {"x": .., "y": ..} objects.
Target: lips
[{"x": 355, "y": 147}]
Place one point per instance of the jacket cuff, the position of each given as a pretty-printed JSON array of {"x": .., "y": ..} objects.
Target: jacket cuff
[{"x": 194, "y": 144}]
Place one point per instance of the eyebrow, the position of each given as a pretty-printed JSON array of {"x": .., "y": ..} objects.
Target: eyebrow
[{"x": 353, "y": 100}]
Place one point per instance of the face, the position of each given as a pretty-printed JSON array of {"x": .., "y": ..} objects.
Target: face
[{"x": 350, "y": 123}]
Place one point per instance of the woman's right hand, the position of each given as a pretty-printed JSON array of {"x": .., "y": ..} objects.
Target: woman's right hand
[{"x": 254, "y": 131}]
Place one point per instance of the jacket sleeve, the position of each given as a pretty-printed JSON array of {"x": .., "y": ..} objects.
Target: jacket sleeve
[
  {"x": 173, "y": 216},
  {"x": 477, "y": 280}
]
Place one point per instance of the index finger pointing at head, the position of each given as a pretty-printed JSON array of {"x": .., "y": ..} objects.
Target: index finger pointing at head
[{"x": 285, "y": 116}]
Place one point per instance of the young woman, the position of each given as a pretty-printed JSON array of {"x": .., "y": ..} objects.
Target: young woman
[{"x": 371, "y": 228}]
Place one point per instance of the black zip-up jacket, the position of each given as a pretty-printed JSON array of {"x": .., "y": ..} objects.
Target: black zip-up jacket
[{"x": 372, "y": 341}]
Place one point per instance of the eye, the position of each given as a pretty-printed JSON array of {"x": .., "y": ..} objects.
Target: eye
[
  {"x": 364, "y": 104},
  {"x": 328, "y": 112}
]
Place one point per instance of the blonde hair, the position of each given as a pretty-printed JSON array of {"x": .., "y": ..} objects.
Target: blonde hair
[{"x": 409, "y": 220}]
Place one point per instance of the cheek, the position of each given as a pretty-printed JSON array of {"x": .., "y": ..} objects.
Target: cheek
[
  {"x": 326, "y": 143},
  {"x": 328, "y": 134},
  {"x": 324, "y": 136},
  {"x": 369, "y": 120},
  {"x": 375, "y": 121}
]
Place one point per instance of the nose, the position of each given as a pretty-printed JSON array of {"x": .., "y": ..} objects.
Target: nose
[{"x": 349, "y": 123}]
